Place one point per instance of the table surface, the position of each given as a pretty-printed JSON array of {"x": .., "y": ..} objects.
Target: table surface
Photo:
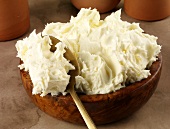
[{"x": 18, "y": 112}]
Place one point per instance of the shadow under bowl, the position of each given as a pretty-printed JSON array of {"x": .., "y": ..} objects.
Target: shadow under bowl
[{"x": 103, "y": 108}]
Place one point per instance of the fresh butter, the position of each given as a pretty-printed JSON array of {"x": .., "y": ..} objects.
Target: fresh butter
[{"x": 111, "y": 53}]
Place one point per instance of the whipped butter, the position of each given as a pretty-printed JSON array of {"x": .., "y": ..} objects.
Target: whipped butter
[
  {"x": 48, "y": 70},
  {"x": 111, "y": 53}
]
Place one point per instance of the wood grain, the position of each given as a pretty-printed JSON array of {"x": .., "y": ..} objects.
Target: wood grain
[{"x": 102, "y": 108}]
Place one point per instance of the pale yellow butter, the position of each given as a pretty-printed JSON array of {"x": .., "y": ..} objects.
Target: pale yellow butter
[{"x": 111, "y": 53}]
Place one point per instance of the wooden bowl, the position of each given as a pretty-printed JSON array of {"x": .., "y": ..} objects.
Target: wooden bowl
[
  {"x": 104, "y": 108},
  {"x": 101, "y": 5}
]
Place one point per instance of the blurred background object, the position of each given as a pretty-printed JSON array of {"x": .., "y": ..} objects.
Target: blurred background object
[
  {"x": 147, "y": 10},
  {"x": 101, "y": 5},
  {"x": 14, "y": 18}
]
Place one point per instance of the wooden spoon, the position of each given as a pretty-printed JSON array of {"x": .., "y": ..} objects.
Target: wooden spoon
[{"x": 70, "y": 88}]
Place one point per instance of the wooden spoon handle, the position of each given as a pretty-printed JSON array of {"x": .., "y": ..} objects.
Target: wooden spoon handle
[{"x": 89, "y": 122}]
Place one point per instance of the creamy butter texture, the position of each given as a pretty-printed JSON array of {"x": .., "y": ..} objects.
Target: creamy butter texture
[
  {"x": 111, "y": 53},
  {"x": 48, "y": 70}
]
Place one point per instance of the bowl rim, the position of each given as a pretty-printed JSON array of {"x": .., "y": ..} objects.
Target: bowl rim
[{"x": 154, "y": 70}]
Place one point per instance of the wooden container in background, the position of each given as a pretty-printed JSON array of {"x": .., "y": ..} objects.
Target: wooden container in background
[
  {"x": 102, "y": 6},
  {"x": 147, "y": 10},
  {"x": 14, "y": 18}
]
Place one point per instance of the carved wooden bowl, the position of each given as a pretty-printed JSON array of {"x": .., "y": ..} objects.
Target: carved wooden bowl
[{"x": 104, "y": 108}]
